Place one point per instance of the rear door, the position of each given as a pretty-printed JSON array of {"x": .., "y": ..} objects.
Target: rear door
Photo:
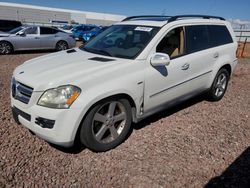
[
  {"x": 201, "y": 57},
  {"x": 48, "y": 37}
]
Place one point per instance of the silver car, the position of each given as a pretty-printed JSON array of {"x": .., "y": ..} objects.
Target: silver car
[{"x": 35, "y": 38}]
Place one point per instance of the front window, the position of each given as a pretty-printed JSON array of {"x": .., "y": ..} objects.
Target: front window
[
  {"x": 124, "y": 41},
  {"x": 14, "y": 31},
  {"x": 31, "y": 30}
]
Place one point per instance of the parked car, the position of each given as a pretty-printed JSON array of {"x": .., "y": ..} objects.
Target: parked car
[
  {"x": 92, "y": 33},
  {"x": 7, "y": 25},
  {"x": 79, "y": 30},
  {"x": 126, "y": 73},
  {"x": 66, "y": 28},
  {"x": 35, "y": 38}
]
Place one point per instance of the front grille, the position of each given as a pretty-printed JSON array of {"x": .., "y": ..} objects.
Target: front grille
[{"x": 21, "y": 92}]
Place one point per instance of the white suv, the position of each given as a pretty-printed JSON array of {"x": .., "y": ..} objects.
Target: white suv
[{"x": 131, "y": 70}]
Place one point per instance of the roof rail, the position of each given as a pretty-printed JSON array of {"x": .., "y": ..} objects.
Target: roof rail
[
  {"x": 174, "y": 18},
  {"x": 147, "y": 16}
]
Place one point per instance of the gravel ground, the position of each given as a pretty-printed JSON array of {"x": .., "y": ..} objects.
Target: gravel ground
[{"x": 195, "y": 144}]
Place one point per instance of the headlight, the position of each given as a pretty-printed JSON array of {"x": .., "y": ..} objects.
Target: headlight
[{"x": 61, "y": 97}]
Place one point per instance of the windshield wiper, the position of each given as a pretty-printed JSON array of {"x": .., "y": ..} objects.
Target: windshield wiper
[{"x": 97, "y": 51}]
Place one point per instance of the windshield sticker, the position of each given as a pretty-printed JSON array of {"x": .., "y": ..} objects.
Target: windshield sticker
[{"x": 147, "y": 29}]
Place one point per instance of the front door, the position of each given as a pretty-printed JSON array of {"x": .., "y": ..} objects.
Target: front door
[
  {"x": 29, "y": 40},
  {"x": 168, "y": 83}
]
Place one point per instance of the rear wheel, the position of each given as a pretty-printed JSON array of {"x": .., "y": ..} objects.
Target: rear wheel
[
  {"x": 106, "y": 125},
  {"x": 5, "y": 47},
  {"x": 219, "y": 86},
  {"x": 61, "y": 45}
]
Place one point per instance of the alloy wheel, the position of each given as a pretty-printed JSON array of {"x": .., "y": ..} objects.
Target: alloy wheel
[{"x": 109, "y": 122}]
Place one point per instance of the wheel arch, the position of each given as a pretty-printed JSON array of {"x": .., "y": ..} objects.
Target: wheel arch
[
  {"x": 227, "y": 67},
  {"x": 113, "y": 96}
]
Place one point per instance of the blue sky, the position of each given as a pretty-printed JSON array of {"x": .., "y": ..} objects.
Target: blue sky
[{"x": 226, "y": 8}]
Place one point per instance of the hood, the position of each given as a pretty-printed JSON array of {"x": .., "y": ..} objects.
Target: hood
[{"x": 73, "y": 66}]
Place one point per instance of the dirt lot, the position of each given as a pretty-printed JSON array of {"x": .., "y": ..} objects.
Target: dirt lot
[{"x": 185, "y": 146}]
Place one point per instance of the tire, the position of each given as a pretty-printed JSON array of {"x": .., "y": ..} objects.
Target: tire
[
  {"x": 106, "y": 125},
  {"x": 5, "y": 48},
  {"x": 61, "y": 45},
  {"x": 219, "y": 85}
]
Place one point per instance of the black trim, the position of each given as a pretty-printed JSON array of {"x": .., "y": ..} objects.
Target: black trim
[
  {"x": 174, "y": 18},
  {"x": 170, "y": 18},
  {"x": 180, "y": 84},
  {"x": 102, "y": 59},
  {"x": 17, "y": 112},
  {"x": 147, "y": 17},
  {"x": 45, "y": 123},
  {"x": 71, "y": 51}
]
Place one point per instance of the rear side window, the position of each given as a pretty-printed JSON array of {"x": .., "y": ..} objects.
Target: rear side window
[
  {"x": 219, "y": 35},
  {"x": 47, "y": 31},
  {"x": 197, "y": 38}
]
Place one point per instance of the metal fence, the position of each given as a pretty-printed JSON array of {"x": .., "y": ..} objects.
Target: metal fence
[{"x": 243, "y": 38}]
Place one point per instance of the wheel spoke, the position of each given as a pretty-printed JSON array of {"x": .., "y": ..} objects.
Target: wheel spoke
[
  {"x": 111, "y": 109},
  {"x": 217, "y": 91},
  {"x": 101, "y": 132},
  {"x": 113, "y": 132},
  {"x": 223, "y": 80},
  {"x": 99, "y": 117},
  {"x": 119, "y": 117}
]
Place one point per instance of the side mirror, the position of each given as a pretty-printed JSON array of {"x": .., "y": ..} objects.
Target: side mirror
[
  {"x": 160, "y": 59},
  {"x": 21, "y": 33}
]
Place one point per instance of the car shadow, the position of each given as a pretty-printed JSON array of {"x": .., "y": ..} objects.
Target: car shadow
[
  {"x": 170, "y": 110},
  {"x": 76, "y": 149},
  {"x": 32, "y": 52},
  {"x": 236, "y": 175}
]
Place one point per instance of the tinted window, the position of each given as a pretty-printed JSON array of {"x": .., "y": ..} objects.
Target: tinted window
[
  {"x": 219, "y": 35},
  {"x": 173, "y": 43},
  {"x": 197, "y": 38},
  {"x": 47, "y": 31},
  {"x": 31, "y": 30}
]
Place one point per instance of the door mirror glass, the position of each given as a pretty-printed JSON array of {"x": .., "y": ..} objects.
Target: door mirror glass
[{"x": 160, "y": 59}]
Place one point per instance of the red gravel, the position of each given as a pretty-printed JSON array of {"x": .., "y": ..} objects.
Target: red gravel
[{"x": 186, "y": 146}]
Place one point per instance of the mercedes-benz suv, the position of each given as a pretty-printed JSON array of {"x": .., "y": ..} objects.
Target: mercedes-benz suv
[{"x": 128, "y": 72}]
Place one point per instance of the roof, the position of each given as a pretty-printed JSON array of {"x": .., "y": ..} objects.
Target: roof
[{"x": 159, "y": 21}]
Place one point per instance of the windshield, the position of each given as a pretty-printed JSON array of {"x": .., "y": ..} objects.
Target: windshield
[
  {"x": 124, "y": 41},
  {"x": 14, "y": 31}
]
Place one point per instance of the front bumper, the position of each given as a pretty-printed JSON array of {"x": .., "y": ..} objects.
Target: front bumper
[{"x": 60, "y": 129}]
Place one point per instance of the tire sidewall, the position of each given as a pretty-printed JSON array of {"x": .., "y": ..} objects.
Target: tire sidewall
[
  {"x": 87, "y": 137},
  {"x": 213, "y": 88}
]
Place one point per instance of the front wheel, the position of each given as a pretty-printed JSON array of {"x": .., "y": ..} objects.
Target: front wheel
[
  {"x": 5, "y": 48},
  {"x": 106, "y": 125},
  {"x": 219, "y": 85},
  {"x": 61, "y": 45}
]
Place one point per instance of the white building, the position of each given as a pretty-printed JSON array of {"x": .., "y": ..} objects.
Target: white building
[{"x": 47, "y": 15}]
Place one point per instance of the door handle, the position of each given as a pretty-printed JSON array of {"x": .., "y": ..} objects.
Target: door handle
[
  {"x": 36, "y": 37},
  {"x": 185, "y": 66},
  {"x": 216, "y": 55}
]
